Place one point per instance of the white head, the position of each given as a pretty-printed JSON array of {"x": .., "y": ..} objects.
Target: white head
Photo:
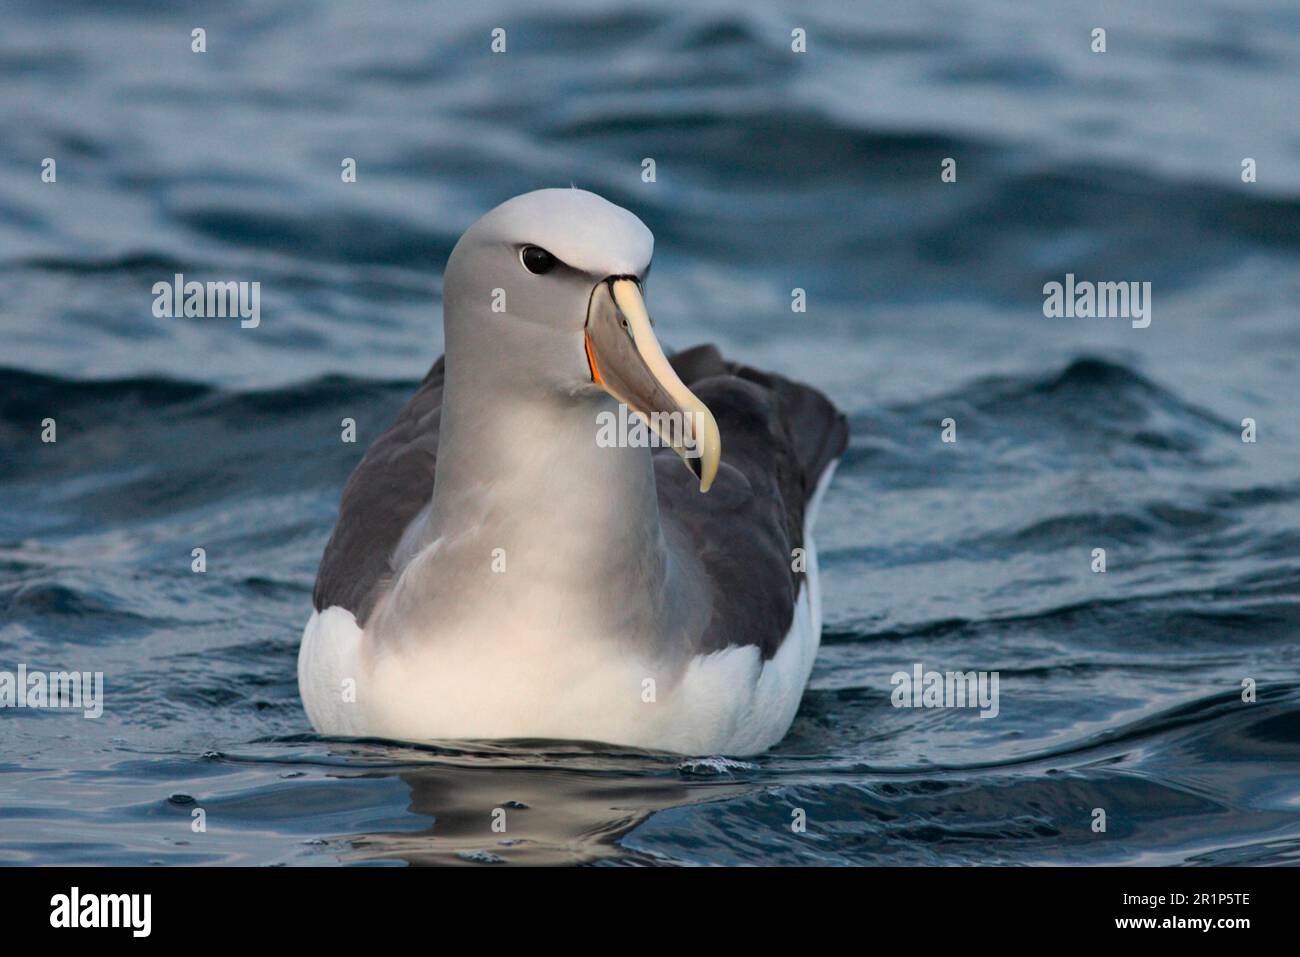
[{"x": 544, "y": 295}]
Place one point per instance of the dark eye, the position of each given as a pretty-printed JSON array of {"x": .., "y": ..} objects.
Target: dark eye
[{"x": 537, "y": 260}]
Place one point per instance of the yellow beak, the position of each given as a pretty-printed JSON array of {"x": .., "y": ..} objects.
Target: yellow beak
[{"x": 627, "y": 361}]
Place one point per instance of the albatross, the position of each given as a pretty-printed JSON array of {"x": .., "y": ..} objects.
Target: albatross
[{"x": 501, "y": 569}]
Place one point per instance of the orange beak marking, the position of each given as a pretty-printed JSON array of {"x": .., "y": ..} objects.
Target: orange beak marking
[{"x": 591, "y": 361}]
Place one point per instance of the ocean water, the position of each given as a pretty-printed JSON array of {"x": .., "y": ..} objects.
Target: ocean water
[{"x": 1119, "y": 691}]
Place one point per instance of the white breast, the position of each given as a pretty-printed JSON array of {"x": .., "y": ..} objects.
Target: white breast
[{"x": 526, "y": 684}]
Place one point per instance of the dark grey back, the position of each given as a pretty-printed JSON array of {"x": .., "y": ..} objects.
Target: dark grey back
[
  {"x": 387, "y": 490},
  {"x": 778, "y": 437}
]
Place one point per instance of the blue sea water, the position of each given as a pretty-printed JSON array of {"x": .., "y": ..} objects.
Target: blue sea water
[{"x": 1119, "y": 691}]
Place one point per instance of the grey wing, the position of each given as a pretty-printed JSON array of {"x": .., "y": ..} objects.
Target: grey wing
[
  {"x": 388, "y": 489},
  {"x": 778, "y": 438}
]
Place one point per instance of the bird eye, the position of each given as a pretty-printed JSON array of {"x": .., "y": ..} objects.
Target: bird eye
[{"x": 537, "y": 260}]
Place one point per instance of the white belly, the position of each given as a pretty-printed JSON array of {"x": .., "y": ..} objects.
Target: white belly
[{"x": 530, "y": 685}]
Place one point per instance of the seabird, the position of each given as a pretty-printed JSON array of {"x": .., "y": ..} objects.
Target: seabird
[{"x": 499, "y": 572}]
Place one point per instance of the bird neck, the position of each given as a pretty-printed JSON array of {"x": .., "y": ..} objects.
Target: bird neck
[
  {"x": 538, "y": 533},
  {"x": 526, "y": 497}
]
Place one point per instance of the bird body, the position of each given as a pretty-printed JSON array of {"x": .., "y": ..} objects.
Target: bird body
[{"x": 498, "y": 572}]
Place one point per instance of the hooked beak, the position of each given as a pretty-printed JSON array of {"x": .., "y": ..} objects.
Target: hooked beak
[{"x": 626, "y": 361}]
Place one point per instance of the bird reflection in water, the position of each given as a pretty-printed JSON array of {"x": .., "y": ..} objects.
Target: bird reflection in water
[{"x": 535, "y": 802}]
